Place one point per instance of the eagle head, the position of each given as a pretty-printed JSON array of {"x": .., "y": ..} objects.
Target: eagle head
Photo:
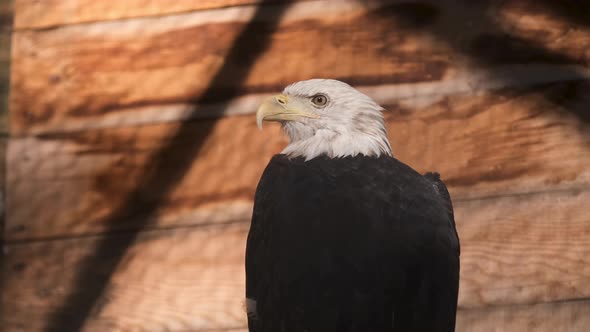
[{"x": 327, "y": 117}]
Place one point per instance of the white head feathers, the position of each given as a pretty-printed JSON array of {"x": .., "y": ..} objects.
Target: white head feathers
[{"x": 349, "y": 124}]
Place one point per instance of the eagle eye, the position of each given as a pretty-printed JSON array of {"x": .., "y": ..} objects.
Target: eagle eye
[{"x": 319, "y": 100}]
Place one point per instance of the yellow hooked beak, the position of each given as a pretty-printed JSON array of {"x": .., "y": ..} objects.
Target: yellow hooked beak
[{"x": 282, "y": 108}]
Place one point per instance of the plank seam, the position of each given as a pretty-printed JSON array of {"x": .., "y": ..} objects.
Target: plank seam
[
  {"x": 123, "y": 232},
  {"x": 520, "y": 305},
  {"x": 576, "y": 188}
]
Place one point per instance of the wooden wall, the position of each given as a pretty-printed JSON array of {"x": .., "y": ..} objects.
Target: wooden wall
[
  {"x": 5, "y": 34},
  {"x": 133, "y": 152}
]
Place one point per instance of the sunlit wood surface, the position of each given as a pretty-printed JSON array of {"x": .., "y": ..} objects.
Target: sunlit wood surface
[{"x": 129, "y": 179}]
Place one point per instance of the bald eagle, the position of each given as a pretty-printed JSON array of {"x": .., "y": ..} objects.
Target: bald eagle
[{"x": 344, "y": 237}]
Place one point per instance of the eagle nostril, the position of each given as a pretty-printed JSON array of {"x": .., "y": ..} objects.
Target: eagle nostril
[{"x": 281, "y": 101}]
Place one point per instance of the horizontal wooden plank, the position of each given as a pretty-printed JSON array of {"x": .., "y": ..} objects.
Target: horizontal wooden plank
[
  {"x": 75, "y": 183},
  {"x": 553, "y": 317},
  {"x": 515, "y": 250},
  {"x": 524, "y": 249},
  {"x": 33, "y": 14},
  {"x": 548, "y": 317},
  {"x": 86, "y": 71}
]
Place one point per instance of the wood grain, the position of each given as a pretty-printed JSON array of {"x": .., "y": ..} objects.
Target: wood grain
[
  {"x": 516, "y": 159},
  {"x": 547, "y": 317},
  {"x": 524, "y": 249},
  {"x": 86, "y": 71},
  {"x": 545, "y": 24},
  {"x": 108, "y": 67},
  {"x": 497, "y": 143},
  {"x": 515, "y": 250},
  {"x": 33, "y": 14},
  {"x": 551, "y": 317},
  {"x": 89, "y": 175},
  {"x": 181, "y": 280},
  {"x": 6, "y": 14},
  {"x": 471, "y": 82}
]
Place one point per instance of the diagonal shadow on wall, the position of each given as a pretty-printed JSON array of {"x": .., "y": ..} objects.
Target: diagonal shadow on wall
[
  {"x": 473, "y": 31},
  {"x": 161, "y": 174},
  {"x": 574, "y": 11}
]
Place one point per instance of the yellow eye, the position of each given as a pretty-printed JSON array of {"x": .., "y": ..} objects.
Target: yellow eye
[{"x": 319, "y": 100}]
